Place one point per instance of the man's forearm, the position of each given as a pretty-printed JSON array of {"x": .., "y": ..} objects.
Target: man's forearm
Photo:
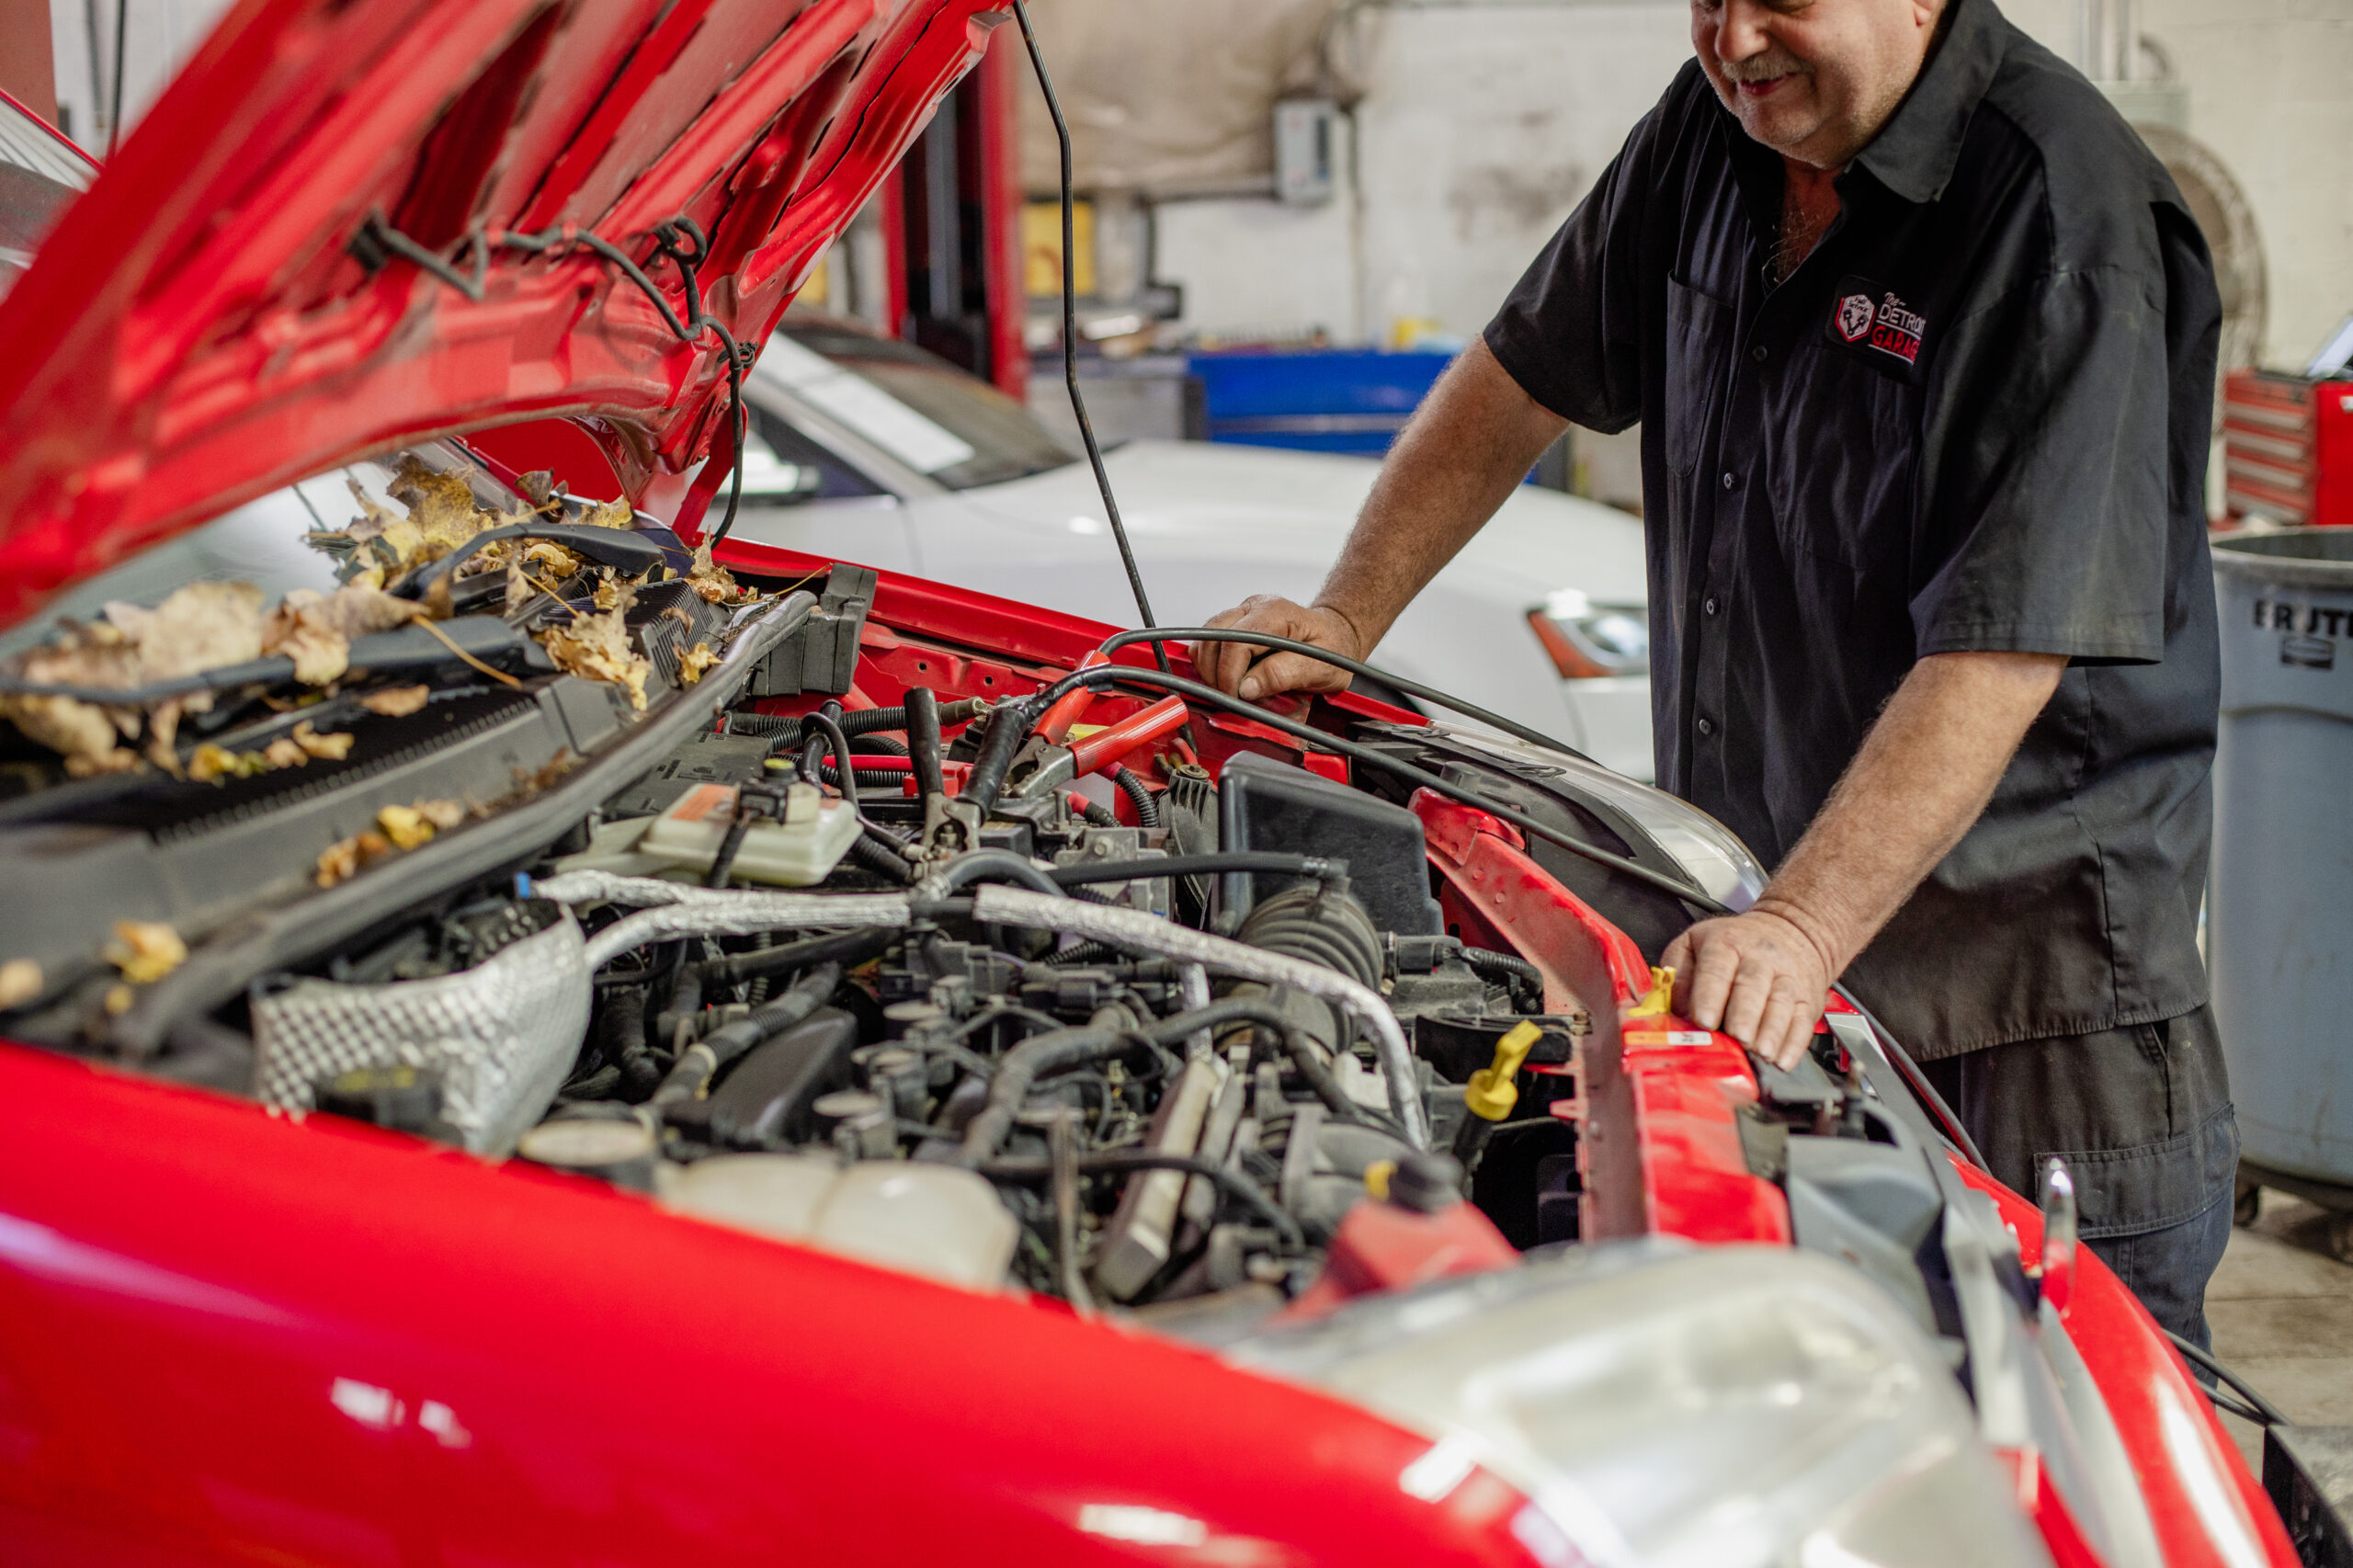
[
  {"x": 1473, "y": 440},
  {"x": 1922, "y": 778}
]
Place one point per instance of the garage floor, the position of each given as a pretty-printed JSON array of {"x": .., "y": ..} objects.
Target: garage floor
[{"x": 2282, "y": 1310}]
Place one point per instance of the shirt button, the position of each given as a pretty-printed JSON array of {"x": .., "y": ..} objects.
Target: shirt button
[
  {"x": 1732, "y": 480},
  {"x": 1707, "y": 726},
  {"x": 1710, "y": 607},
  {"x": 1760, "y": 354}
]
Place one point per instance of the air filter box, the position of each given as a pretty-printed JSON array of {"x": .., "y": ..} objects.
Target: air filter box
[{"x": 1268, "y": 805}]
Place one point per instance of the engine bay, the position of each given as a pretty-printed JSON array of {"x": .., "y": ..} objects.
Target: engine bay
[{"x": 534, "y": 837}]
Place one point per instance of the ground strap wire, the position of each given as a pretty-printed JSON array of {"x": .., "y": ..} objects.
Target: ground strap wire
[{"x": 681, "y": 239}]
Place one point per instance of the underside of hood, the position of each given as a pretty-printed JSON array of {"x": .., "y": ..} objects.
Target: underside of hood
[{"x": 243, "y": 297}]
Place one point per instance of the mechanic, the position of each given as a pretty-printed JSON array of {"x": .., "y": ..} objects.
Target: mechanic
[{"x": 1922, "y": 341}]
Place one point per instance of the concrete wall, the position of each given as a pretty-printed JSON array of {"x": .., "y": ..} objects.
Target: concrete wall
[{"x": 1484, "y": 122}]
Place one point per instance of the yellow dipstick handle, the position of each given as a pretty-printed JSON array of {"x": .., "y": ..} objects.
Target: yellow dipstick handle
[
  {"x": 1492, "y": 1093},
  {"x": 1660, "y": 999}
]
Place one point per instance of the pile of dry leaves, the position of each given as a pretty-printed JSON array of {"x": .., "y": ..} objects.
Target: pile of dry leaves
[{"x": 208, "y": 625}]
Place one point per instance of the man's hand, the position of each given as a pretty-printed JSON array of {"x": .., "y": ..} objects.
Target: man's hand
[
  {"x": 1758, "y": 977},
  {"x": 1227, "y": 665},
  {"x": 1925, "y": 773}
]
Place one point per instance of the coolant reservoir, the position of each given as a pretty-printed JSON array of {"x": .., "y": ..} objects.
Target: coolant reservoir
[
  {"x": 795, "y": 853},
  {"x": 936, "y": 1221}
]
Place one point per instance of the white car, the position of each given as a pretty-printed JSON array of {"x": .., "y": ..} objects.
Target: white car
[{"x": 1542, "y": 618}]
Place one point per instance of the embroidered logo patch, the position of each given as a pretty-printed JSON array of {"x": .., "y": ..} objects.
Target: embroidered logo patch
[
  {"x": 1867, "y": 317},
  {"x": 1855, "y": 316}
]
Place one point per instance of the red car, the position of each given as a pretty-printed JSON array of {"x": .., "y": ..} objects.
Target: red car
[{"x": 854, "y": 1075}]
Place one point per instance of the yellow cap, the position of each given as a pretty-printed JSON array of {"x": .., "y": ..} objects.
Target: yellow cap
[
  {"x": 1660, "y": 999},
  {"x": 1492, "y": 1093},
  {"x": 1376, "y": 1177}
]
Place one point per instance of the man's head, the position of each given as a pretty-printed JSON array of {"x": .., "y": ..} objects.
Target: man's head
[{"x": 1813, "y": 79}]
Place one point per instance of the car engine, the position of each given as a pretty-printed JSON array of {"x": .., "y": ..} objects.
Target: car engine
[{"x": 566, "y": 847}]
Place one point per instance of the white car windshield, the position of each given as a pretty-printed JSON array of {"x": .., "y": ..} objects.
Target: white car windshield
[
  {"x": 40, "y": 174},
  {"x": 923, "y": 411}
]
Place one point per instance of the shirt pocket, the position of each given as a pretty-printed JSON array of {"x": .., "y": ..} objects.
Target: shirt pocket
[
  {"x": 1698, "y": 330},
  {"x": 1845, "y": 456}
]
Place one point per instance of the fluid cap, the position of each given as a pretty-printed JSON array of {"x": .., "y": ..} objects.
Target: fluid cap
[
  {"x": 1427, "y": 1184},
  {"x": 406, "y": 1099},
  {"x": 612, "y": 1144}
]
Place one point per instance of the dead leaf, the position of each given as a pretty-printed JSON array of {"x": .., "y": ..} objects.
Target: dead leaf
[
  {"x": 211, "y": 762},
  {"x": 443, "y": 814},
  {"x": 316, "y": 631},
  {"x": 597, "y": 647},
  {"x": 405, "y": 825},
  {"x": 145, "y": 950},
  {"x": 284, "y": 751},
  {"x": 396, "y": 701},
  {"x": 334, "y": 746},
  {"x": 118, "y": 1000},
  {"x": 347, "y": 856},
  {"x": 694, "y": 661},
  {"x": 713, "y": 582},
  {"x": 20, "y": 981}
]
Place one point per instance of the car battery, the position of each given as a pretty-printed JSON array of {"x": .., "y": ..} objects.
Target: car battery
[{"x": 2288, "y": 448}]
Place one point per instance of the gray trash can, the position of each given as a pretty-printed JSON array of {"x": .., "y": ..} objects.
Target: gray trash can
[{"x": 2280, "y": 908}]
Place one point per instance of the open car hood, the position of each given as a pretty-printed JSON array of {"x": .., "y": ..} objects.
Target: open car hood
[{"x": 209, "y": 321}]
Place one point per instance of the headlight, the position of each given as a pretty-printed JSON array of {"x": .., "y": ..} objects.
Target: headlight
[
  {"x": 1586, "y": 640},
  {"x": 1659, "y": 1405}
]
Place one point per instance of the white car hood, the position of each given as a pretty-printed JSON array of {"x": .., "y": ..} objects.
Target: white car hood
[{"x": 1240, "y": 510}]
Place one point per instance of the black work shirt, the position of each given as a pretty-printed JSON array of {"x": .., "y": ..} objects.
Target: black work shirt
[{"x": 1976, "y": 418}]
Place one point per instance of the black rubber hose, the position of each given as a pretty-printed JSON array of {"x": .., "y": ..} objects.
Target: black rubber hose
[
  {"x": 690, "y": 1076},
  {"x": 1321, "y": 926},
  {"x": 1231, "y": 1182},
  {"x": 876, "y": 853},
  {"x": 848, "y": 948},
  {"x": 1302, "y": 1051},
  {"x": 923, "y": 741},
  {"x": 868, "y": 777},
  {"x": 730, "y": 846},
  {"x": 1325, "y": 655},
  {"x": 1507, "y": 964},
  {"x": 828, "y": 720},
  {"x": 1053, "y": 1052},
  {"x": 1008, "y": 726},
  {"x": 1097, "y": 676},
  {"x": 1324, "y": 869},
  {"x": 991, "y": 866},
  {"x": 1146, "y": 804}
]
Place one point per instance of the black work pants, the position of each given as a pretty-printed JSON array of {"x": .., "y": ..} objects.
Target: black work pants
[{"x": 2142, "y": 1115}]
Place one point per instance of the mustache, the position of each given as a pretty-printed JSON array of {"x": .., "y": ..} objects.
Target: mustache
[{"x": 1775, "y": 62}]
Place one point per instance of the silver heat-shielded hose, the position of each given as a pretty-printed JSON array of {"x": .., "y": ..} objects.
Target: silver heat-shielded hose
[
  {"x": 997, "y": 905},
  {"x": 682, "y": 910}
]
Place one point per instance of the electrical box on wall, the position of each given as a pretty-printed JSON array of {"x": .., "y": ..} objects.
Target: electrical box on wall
[{"x": 1304, "y": 134}]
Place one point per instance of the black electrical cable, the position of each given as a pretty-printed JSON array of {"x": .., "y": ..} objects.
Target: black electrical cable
[
  {"x": 876, "y": 853},
  {"x": 1231, "y": 1182},
  {"x": 2265, "y": 1413},
  {"x": 1070, "y": 331},
  {"x": 1140, "y": 796},
  {"x": 1097, "y": 676},
  {"x": 1326, "y": 655},
  {"x": 868, "y": 777},
  {"x": 1094, "y": 812},
  {"x": 1509, "y": 964}
]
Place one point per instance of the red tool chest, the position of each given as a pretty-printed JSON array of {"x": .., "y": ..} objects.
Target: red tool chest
[{"x": 2287, "y": 448}]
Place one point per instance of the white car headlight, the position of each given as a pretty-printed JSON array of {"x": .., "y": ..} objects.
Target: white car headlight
[
  {"x": 1659, "y": 1405},
  {"x": 1587, "y": 641}
]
